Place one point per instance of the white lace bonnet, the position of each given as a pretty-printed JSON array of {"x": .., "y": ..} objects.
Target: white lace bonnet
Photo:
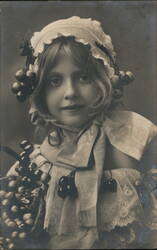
[{"x": 85, "y": 31}]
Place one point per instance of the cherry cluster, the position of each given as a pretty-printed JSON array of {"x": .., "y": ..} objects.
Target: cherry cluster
[
  {"x": 108, "y": 185},
  {"x": 66, "y": 186},
  {"x": 25, "y": 85},
  {"x": 22, "y": 201},
  {"x": 6, "y": 243},
  {"x": 119, "y": 81}
]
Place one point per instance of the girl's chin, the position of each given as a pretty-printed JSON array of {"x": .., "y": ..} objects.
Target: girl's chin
[{"x": 74, "y": 123}]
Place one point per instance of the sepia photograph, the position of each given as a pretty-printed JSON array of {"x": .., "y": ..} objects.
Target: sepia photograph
[{"x": 78, "y": 113}]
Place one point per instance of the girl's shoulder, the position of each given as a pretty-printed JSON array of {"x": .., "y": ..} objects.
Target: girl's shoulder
[
  {"x": 117, "y": 159},
  {"x": 129, "y": 132}
]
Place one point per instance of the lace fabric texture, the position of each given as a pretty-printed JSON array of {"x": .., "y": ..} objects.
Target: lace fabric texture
[
  {"x": 123, "y": 207},
  {"x": 85, "y": 31},
  {"x": 133, "y": 202}
]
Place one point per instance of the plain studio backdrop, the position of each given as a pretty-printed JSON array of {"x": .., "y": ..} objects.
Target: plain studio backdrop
[{"x": 132, "y": 26}]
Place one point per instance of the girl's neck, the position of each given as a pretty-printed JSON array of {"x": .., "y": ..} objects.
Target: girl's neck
[{"x": 70, "y": 133}]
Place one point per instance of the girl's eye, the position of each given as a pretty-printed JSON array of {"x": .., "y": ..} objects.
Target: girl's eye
[
  {"x": 84, "y": 79},
  {"x": 55, "y": 81}
]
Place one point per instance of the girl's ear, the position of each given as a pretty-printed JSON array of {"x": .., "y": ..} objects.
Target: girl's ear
[{"x": 117, "y": 159}]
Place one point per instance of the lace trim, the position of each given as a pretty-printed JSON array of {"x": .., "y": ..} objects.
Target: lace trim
[
  {"x": 96, "y": 53},
  {"x": 124, "y": 207},
  {"x": 85, "y": 31},
  {"x": 133, "y": 202},
  {"x": 125, "y": 216}
]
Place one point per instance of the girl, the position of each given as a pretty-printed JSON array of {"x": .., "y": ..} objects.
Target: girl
[{"x": 97, "y": 196}]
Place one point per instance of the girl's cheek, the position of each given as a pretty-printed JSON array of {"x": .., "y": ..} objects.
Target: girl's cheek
[
  {"x": 89, "y": 91},
  {"x": 53, "y": 101},
  {"x": 49, "y": 100},
  {"x": 51, "y": 95}
]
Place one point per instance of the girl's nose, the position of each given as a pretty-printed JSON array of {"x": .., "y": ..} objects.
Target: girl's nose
[{"x": 70, "y": 90}]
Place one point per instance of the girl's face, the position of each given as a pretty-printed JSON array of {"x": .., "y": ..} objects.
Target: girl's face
[{"x": 69, "y": 93}]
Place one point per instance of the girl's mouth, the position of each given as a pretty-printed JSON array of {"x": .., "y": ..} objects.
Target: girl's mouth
[{"x": 74, "y": 107}]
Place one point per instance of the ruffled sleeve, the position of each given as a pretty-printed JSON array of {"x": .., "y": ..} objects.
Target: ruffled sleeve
[{"x": 129, "y": 132}]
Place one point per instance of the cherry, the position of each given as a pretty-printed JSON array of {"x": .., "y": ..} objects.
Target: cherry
[
  {"x": 22, "y": 235},
  {"x": 45, "y": 178},
  {"x": 109, "y": 185},
  {"x": 24, "y": 162},
  {"x": 24, "y": 154},
  {"x": 33, "y": 167},
  {"x": 18, "y": 221},
  {"x": 9, "y": 195},
  {"x": 8, "y": 240},
  {"x": 21, "y": 75},
  {"x": 26, "y": 181},
  {"x": 14, "y": 209},
  {"x": 62, "y": 191},
  {"x": 14, "y": 234},
  {"x": 2, "y": 194},
  {"x": 129, "y": 77},
  {"x": 31, "y": 76},
  {"x": 112, "y": 185},
  {"x": 29, "y": 221},
  {"x": 27, "y": 216},
  {"x": 24, "y": 143},
  {"x": 7, "y": 221},
  {"x": 115, "y": 80},
  {"x": 12, "y": 224},
  {"x": 11, "y": 246},
  {"x": 21, "y": 189},
  {"x": 38, "y": 173},
  {"x": 25, "y": 48},
  {"x": 25, "y": 201},
  {"x": 13, "y": 183},
  {"x": 21, "y": 97},
  {"x": 5, "y": 202},
  {"x": 28, "y": 148},
  {"x": 4, "y": 215},
  {"x": 66, "y": 186},
  {"x": 17, "y": 86},
  {"x": 72, "y": 190}
]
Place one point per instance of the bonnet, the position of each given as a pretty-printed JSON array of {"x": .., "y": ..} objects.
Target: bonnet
[{"x": 85, "y": 31}]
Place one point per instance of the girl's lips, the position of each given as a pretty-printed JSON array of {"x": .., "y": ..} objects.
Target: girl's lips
[{"x": 72, "y": 107}]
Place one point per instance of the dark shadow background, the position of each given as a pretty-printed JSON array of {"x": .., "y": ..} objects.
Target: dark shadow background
[{"x": 133, "y": 28}]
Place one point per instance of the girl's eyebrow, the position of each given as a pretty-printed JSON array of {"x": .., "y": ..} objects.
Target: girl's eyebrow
[
  {"x": 76, "y": 72},
  {"x": 81, "y": 71},
  {"x": 51, "y": 74}
]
